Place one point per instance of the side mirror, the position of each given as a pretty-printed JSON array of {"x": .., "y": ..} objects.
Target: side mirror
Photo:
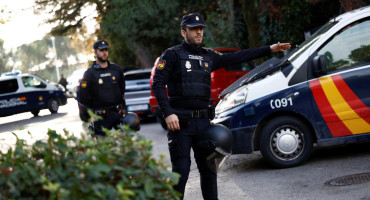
[{"x": 319, "y": 66}]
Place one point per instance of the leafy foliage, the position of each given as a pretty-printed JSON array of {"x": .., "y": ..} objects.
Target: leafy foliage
[
  {"x": 3, "y": 57},
  {"x": 361, "y": 54},
  {"x": 285, "y": 24},
  {"x": 119, "y": 166}
]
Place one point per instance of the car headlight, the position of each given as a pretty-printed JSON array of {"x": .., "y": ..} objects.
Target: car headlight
[{"x": 232, "y": 99}]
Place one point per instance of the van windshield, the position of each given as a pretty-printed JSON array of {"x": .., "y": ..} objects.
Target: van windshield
[{"x": 307, "y": 43}]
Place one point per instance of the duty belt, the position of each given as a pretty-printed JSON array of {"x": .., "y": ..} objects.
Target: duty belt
[
  {"x": 108, "y": 110},
  {"x": 182, "y": 113},
  {"x": 199, "y": 113}
]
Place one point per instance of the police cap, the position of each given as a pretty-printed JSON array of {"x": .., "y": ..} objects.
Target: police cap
[
  {"x": 192, "y": 20},
  {"x": 101, "y": 44}
]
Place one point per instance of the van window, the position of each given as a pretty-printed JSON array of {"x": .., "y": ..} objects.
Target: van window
[
  {"x": 32, "y": 82},
  {"x": 8, "y": 86},
  {"x": 349, "y": 47}
]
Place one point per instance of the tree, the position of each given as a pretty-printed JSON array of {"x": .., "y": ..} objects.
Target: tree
[
  {"x": 3, "y": 57},
  {"x": 144, "y": 28}
]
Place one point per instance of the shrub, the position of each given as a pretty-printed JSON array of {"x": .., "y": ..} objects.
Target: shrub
[{"x": 119, "y": 166}]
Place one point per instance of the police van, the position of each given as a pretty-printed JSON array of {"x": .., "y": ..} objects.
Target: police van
[
  {"x": 28, "y": 93},
  {"x": 319, "y": 93}
]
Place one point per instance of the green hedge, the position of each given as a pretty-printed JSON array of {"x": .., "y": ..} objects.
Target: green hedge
[{"x": 119, "y": 166}]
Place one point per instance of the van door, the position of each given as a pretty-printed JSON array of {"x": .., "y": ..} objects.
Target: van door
[
  {"x": 35, "y": 93},
  {"x": 10, "y": 101},
  {"x": 343, "y": 97}
]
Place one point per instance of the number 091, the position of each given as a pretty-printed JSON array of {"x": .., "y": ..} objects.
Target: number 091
[{"x": 278, "y": 103}]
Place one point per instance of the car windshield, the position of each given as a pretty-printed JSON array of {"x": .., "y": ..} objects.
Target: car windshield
[{"x": 307, "y": 43}]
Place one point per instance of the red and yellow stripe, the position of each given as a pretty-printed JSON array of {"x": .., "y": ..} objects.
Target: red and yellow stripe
[{"x": 343, "y": 112}]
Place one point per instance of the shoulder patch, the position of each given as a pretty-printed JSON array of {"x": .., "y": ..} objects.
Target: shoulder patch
[
  {"x": 161, "y": 64},
  {"x": 83, "y": 84}
]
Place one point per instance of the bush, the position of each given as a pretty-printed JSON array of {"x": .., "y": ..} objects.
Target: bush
[{"x": 118, "y": 166}]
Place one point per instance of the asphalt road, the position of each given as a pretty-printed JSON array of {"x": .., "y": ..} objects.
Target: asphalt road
[{"x": 243, "y": 177}]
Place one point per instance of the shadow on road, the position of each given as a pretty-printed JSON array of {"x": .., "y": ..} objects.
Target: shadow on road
[
  {"x": 11, "y": 126},
  {"x": 254, "y": 162}
]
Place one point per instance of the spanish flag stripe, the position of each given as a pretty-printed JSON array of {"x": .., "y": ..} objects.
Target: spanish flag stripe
[
  {"x": 351, "y": 98},
  {"x": 345, "y": 113},
  {"x": 337, "y": 127}
]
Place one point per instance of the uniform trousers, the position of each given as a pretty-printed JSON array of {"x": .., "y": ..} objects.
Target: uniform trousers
[
  {"x": 109, "y": 121},
  {"x": 180, "y": 144}
]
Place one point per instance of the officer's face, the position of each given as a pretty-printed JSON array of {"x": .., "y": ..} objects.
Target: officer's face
[
  {"x": 193, "y": 35},
  {"x": 102, "y": 55}
]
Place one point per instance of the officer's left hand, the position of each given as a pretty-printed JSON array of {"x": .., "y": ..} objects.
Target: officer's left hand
[{"x": 280, "y": 47}]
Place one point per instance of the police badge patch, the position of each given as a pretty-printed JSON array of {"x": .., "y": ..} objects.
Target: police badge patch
[
  {"x": 161, "y": 65},
  {"x": 83, "y": 84}
]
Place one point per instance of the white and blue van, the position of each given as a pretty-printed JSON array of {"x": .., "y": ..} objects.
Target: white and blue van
[
  {"x": 28, "y": 93},
  {"x": 319, "y": 93}
]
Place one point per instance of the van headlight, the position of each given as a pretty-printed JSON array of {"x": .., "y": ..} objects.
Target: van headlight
[{"x": 232, "y": 99}]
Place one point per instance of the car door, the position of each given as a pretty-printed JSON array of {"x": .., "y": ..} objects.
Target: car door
[{"x": 343, "y": 96}]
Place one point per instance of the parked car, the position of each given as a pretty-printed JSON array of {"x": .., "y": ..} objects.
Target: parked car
[
  {"x": 28, "y": 93},
  {"x": 220, "y": 79},
  {"x": 73, "y": 82},
  {"x": 318, "y": 93},
  {"x": 138, "y": 92}
]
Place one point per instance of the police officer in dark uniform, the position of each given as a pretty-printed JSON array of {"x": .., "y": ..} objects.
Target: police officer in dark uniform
[
  {"x": 186, "y": 69},
  {"x": 102, "y": 90}
]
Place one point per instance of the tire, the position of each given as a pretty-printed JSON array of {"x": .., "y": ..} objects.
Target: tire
[
  {"x": 286, "y": 142},
  {"x": 35, "y": 112},
  {"x": 53, "y": 105}
]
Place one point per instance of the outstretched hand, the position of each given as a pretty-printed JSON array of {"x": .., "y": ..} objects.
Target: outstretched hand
[{"x": 280, "y": 47}]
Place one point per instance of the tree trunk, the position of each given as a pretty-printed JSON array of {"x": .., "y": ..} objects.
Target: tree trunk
[
  {"x": 231, "y": 22},
  {"x": 250, "y": 15},
  {"x": 143, "y": 55}
]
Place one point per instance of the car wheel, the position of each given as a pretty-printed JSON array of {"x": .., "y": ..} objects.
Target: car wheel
[
  {"x": 35, "y": 112},
  {"x": 53, "y": 105},
  {"x": 286, "y": 142}
]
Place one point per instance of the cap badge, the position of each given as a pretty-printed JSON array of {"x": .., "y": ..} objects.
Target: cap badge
[
  {"x": 188, "y": 66},
  {"x": 102, "y": 42},
  {"x": 100, "y": 81},
  {"x": 197, "y": 18}
]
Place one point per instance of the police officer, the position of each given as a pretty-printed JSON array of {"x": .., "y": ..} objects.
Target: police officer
[
  {"x": 102, "y": 89},
  {"x": 186, "y": 69}
]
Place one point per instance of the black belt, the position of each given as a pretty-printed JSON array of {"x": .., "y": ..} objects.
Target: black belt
[
  {"x": 181, "y": 113},
  {"x": 199, "y": 113},
  {"x": 108, "y": 110}
]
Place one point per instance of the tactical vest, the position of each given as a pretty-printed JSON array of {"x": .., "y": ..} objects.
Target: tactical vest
[
  {"x": 195, "y": 78},
  {"x": 107, "y": 90}
]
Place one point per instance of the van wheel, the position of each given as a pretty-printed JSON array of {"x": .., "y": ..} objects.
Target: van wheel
[
  {"x": 286, "y": 142},
  {"x": 35, "y": 112},
  {"x": 53, "y": 105}
]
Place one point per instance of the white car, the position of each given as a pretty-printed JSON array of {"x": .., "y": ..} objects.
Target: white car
[
  {"x": 73, "y": 82},
  {"x": 138, "y": 92}
]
